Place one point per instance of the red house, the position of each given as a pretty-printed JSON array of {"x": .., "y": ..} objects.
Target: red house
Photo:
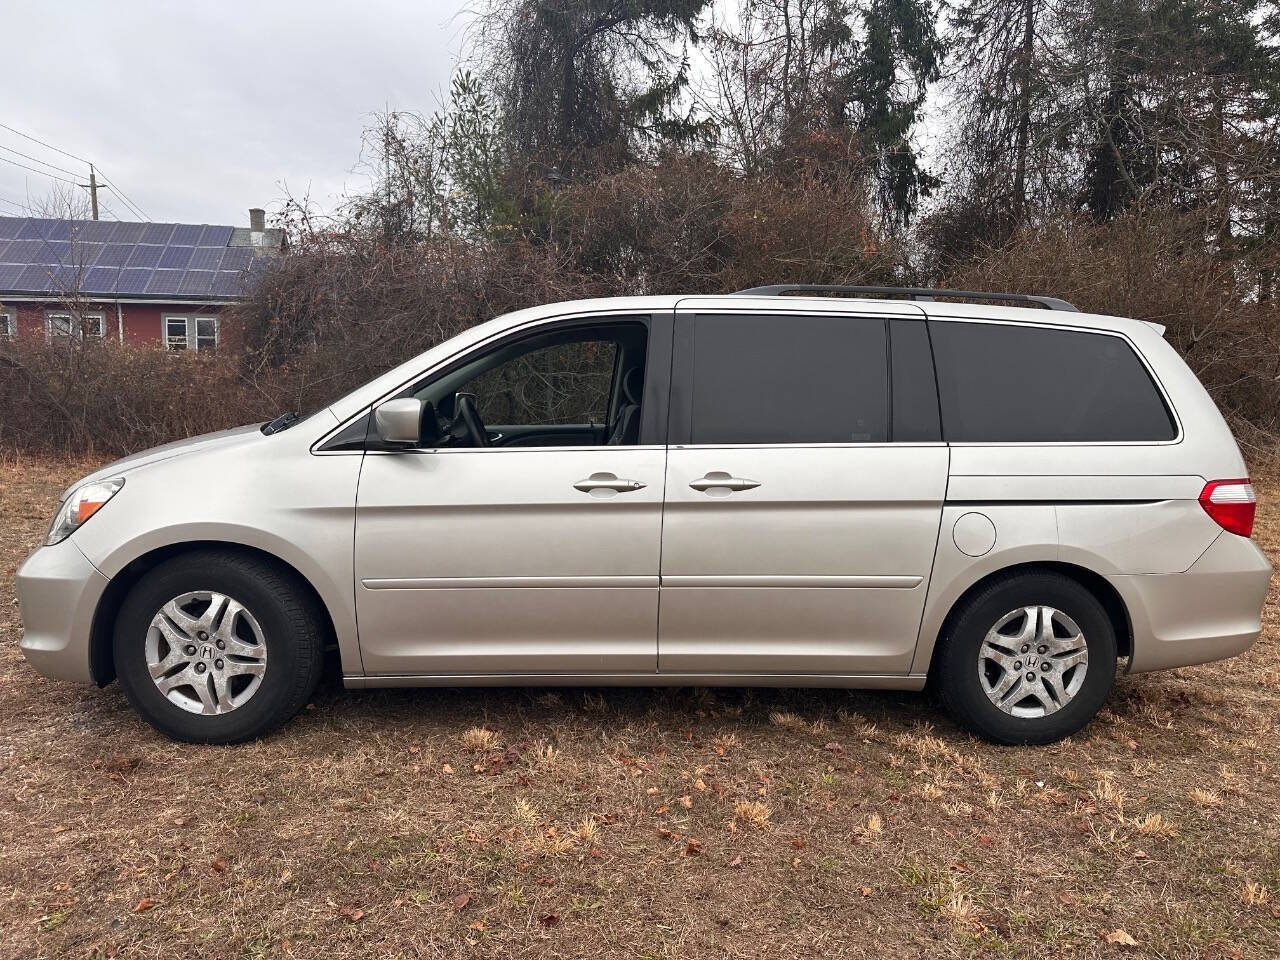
[{"x": 159, "y": 283}]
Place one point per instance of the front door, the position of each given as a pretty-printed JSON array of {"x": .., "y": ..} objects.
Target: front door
[
  {"x": 804, "y": 494},
  {"x": 531, "y": 548}
]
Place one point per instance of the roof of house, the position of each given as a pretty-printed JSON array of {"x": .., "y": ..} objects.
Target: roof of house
[{"x": 119, "y": 259}]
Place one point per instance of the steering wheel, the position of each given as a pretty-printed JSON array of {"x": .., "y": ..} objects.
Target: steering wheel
[{"x": 467, "y": 417}]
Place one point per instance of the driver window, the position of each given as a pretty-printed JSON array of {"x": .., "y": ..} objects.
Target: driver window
[
  {"x": 565, "y": 383},
  {"x": 566, "y": 388}
]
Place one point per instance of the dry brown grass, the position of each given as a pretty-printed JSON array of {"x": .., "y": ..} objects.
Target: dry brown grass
[{"x": 636, "y": 822}]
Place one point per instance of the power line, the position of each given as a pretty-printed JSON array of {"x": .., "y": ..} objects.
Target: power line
[
  {"x": 121, "y": 194},
  {"x": 16, "y": 206},
  {"x": 40, "y": 172},
  {"x": 137, "y": 210},
  {"x": 43, "y": 163},
  {"x": 27, "y": 136}
]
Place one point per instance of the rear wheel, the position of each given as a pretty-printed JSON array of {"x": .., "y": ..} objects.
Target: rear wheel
[
  {"x": 1029, "y": 659},
  {"x": 215, "y": 647}
]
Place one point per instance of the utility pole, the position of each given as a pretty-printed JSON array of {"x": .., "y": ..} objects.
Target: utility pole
[{"x": 92, "y": 187}]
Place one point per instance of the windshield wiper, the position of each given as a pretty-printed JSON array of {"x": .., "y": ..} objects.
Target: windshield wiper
[{"x": 282, "y": 422}]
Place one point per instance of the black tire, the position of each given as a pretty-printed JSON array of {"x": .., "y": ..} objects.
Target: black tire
[
  {"x": 293, "y": 633},
  {"x": 955, "y": 670}
]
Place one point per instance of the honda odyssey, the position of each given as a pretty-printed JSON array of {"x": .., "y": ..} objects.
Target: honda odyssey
[{"x": 875, "y": 489}]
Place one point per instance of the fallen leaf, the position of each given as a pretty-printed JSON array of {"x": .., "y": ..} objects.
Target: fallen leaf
[
  {"x": 985, "y": 840},
  {"x": 834, "y": 746},
  {"x": 461, "y": 900},
  {"x": 865, "y": 891},
  {"x": 447, "y": 768},
  {"x": 1121, "y": 938},
  {"x": 736, "y": 861},
  {"x": 699, "y": 785},
  {"x": 143, "y": 905},
  {"x": 797, "y": 843},
  {"x": 218, "y": 865},
  {"x": 351, "y": 914},
  {"x": 477, "y": 925},
  {"x": 693, "y": 847},
  {"x": 686, "y": 801},
  {"x": 549, "y": 919}
]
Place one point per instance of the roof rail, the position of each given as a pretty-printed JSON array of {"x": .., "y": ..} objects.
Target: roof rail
[{"x": 911, "y": 293}]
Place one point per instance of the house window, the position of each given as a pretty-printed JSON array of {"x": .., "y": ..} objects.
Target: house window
[
  {"x": 190, "y": 333},
  {"x": 83, "y": 326},
  {"x": 8, "y": 324}
]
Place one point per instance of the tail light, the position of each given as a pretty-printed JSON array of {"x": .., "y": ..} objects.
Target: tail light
[{"x": 1231, "y": 503}]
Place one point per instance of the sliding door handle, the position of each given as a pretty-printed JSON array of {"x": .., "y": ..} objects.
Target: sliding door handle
[
  {"x": 719, "y": 480},
  {"x": 603, "y": 484}
]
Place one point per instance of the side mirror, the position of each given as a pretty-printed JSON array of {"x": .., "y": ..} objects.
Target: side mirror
[{"x": 399, "y": 421}]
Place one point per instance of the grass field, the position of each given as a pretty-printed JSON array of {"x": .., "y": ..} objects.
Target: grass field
[{"x": 636, "y": 823}]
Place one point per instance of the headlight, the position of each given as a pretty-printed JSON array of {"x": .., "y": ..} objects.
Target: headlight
[{"x": 83, "y": 503}]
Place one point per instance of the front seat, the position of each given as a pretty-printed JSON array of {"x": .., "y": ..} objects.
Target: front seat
[{"x": 626, "y": 422}]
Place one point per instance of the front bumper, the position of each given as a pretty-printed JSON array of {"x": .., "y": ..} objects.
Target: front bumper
[
  {"x": 58, "y": 593},
  {"x": 1210, "y": 611}
]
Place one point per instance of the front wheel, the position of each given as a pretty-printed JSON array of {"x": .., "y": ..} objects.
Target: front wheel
[
  {"x": 1029, "y": 659},
  {"x": 215, "y": 647}
]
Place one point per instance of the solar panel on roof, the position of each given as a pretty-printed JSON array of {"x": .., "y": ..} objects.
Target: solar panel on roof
[
  {"x": 165, "y": 281},
  {"x": 134, "y": 281},
  {"x": 236, "y": 258},
  {"x": 101, "y": 280},
  {"x": 144, "y": 255},
  {"x": 114, "y": 254},
  {"x": 157, "y": 233},
  {"x": 56, "y": 251},
  {"x": 206, "y": 258},
  {"x": 227, "y": 284},
  {"x": 85, "y": 254},
  {"x": 95, "y": 230},
  {"x": 53, "y": 229},
  {"x": 34, "y": 277},
  {"x": 128, "y": 232},
  {"x": 197, "y": 282},
  {"x": 186, "y": 234},
  {"x": 215, "y": 237},
  {"x": 99, "y": 257},
  {"x": 176, "y": 258}
]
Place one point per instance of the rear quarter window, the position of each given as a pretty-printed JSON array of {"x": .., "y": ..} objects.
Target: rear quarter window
[{"x": 1008, "y": 383}]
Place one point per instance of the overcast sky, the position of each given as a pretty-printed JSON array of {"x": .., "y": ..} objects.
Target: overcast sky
[{"x": 198, "y": 111}]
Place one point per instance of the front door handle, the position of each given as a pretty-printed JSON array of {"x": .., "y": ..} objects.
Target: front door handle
[
  {"x": 719, "y": 480},
  {"x": 607, "y": 484}
]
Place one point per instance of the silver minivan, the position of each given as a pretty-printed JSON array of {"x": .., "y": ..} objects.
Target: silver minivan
[{"x": 790, "y": 486}]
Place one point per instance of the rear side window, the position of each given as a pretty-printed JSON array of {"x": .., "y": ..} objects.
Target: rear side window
[
  {"x": 759, "y": 378},
  {"x": 1008, "y": 383}
]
